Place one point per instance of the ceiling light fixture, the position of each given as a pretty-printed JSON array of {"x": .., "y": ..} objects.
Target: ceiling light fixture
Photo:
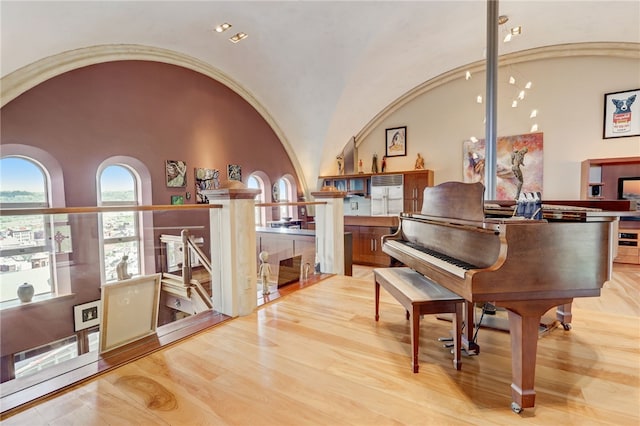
[
  {"x": 223, "y": 27},
  {"x": 514, "y": 104},
  {"x": 512, "y": 80},
  {"x": 516, "y": 30},
  {"x": 503, "y": 19},
  {"x": 528, "y": 85},
  {"x": 534, "y": 128},
  {"x": 534, "y": 113},
  {"x": 507, "y": 38},
  {"x": 236, "y": 38},
  {"x": 479, "y": 99},
  {"x": 467, "y": 75}
]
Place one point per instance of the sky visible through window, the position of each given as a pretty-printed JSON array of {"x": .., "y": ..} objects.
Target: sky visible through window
[{"x": 20, "y": 174}]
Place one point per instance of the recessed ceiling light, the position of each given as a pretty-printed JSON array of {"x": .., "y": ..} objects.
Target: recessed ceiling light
[
  {"x": 223, "y": 27},
  {"x": 467, "y": 75},
  {"x": 236, "y": 38},
  {"x": 514, "y": 104},
  {"x": 512, "y": 80}
]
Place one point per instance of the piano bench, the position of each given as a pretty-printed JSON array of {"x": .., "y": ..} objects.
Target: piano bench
[{"x": 420, "y": 296}]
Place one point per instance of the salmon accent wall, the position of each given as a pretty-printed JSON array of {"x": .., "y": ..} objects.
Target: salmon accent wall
[{"x": 150, "y": 111}]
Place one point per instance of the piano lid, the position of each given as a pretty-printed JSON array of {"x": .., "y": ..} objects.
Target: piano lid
[{"x": 456, "y": 200}]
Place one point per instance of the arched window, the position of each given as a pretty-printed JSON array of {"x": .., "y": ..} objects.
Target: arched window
[
  {"x": 25, "y": 240},
  {"x": 256, "y": 182},
  {"x": 120, "y": 231},
  {"x": 287, "y": 193}
]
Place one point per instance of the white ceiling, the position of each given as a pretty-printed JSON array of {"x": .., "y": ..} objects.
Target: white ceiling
[{"x": 321, "y": 69}]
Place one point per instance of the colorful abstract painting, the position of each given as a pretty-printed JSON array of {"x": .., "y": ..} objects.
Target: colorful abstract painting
[
  {"x": 205, "y": 179},
  {"x": 519, "y": 164}
]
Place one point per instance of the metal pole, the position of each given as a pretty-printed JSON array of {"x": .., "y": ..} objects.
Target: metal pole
[{"x": 490, "y": 162}]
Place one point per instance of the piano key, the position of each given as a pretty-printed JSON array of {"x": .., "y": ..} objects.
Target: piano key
[{"x": 441, "y": 260}]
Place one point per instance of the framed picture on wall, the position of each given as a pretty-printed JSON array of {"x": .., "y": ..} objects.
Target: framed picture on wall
[
  {"x": 176, "y": 174},
  {"x": 396, "y": 142},
  {"x": 621, "y": 114},
  {"x": 86, "y": 315}
]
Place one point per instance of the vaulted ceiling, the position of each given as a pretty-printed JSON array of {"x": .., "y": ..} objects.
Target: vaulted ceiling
[{"x": 318, "y": 70}]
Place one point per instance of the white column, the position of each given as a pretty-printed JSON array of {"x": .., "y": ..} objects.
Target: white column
[
  {"x": 330, "y": 231},
  {"x": 233, "y": 250}
]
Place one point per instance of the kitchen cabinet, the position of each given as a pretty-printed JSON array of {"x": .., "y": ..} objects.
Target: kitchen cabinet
[
  {"x": 414, "y": 185},
  {"x": 366, "y": 232},
  {"x": 414, "y": 181}
]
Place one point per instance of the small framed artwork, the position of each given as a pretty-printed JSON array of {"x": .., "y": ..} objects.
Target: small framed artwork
[
  {"x": 177, "y": 200},
  {"x": 86, "y": 315},
  {"x": 206, "y": 179},
  {"x": 620, "y": 120},
  {"x": 176, "y": 173},
  {"x": 234, "y": 172},
  {"x": 396, "y": 142}
]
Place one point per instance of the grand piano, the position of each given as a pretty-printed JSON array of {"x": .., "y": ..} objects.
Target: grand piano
[{"x": 525, "y": 266}]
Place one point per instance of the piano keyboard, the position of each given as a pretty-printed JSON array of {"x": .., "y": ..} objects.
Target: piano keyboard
[{"x": 448, "y": 263}]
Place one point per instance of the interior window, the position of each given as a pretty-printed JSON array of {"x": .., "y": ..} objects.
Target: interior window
[
  {"x": 25, "y": 249},
  {"x": 119, "y": 230},
  {"x": 255, "y": 182}
]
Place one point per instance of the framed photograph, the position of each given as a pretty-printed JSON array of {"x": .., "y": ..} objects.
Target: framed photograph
[
  {"x": 86, "y": 315},
  {"x": 176, "y": 173},
  {"x": 129, "y": 311},
  {"x": 177, "y": 200},
  {"x": 396, "y": 142},
  {"x": 620, "y": 120}
]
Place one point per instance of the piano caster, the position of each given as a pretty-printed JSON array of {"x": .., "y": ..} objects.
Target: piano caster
[
  {"x": 516, "y": 408},
  {"x": 567, "y": 327}
]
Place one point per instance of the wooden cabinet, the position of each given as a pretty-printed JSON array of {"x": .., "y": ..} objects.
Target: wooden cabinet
[
  {"x": 628, "y": 243},
  {"x": 366, "y": 232},
  {"x": 599, "y": 177},
  {"x": 414, "y": 185}
]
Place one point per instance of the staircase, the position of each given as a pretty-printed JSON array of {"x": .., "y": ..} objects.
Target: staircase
[{"x": 188, "y": 289}]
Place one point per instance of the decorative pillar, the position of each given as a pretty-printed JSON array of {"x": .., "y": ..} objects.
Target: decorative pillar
[
  {"x": 330, "y": 230},
  {"x": 233, "y": 249}
]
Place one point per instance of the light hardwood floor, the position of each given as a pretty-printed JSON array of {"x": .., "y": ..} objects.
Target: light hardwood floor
[{"x": 317, "y": 357}]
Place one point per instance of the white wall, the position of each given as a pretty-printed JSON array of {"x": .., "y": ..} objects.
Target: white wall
[{"x": 568, "y": 94}]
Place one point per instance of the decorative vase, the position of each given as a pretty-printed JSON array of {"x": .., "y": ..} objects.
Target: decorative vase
[{"x": 25, "y": 292}]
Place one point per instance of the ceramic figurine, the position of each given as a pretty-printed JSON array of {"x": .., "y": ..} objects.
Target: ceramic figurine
[
  {"x": 419, "y": 163},
  {"x": 121, "y": 269},
  {"x": 265, "y": 271}
]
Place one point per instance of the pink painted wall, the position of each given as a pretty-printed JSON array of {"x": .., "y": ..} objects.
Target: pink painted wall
[{"x": 147, "y": 110}]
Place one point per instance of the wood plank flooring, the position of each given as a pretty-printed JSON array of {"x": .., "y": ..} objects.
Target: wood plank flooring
[{"x": 317, "y": 357}]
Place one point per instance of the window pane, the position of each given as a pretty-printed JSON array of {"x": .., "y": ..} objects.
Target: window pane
[
  {"x": 118, "y": 224},
  {"x": 117, "y": 183},
  {"x": 22, "y": 182},
  {"x": 24, "y": 256},
  {"x": 113, "y": 254}
]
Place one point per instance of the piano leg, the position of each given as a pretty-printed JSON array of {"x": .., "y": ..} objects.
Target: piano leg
[
  {"x": 468, "y": 343},
  {"x": 524, "y": 320},
  {"x": 564, "y": 315}
]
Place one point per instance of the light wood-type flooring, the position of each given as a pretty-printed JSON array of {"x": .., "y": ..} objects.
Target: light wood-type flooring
[{"x": 317, "y": 357}]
